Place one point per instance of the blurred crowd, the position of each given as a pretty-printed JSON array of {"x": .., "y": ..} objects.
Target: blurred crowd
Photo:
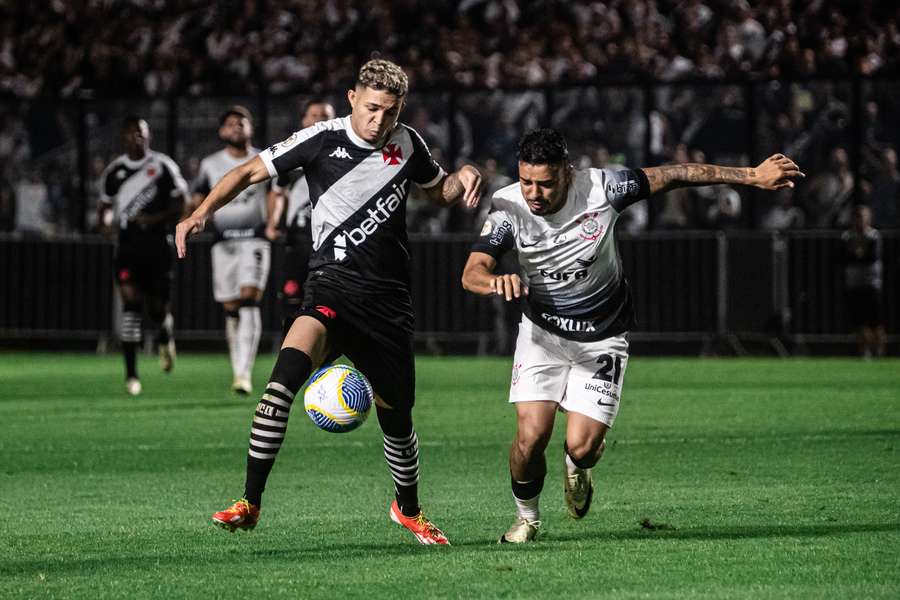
[
  {"x": 194, "y": 47},
  {"x": 729, "y": 83}
]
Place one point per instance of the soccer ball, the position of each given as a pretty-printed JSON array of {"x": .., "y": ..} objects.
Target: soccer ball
[{"x": 338, "y": 398}]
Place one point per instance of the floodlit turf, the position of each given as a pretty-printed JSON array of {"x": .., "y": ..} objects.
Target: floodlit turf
[{"x": 758, "y": 478}]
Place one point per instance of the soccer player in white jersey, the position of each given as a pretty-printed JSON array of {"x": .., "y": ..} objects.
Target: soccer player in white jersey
[
  {"x": 572, "y": 348},
  {"x": 359, "y": 170},
  {"x": 291, "y": 194},
  {"x": 142, "y": 194},
  {"x": 241, "y": 255}
]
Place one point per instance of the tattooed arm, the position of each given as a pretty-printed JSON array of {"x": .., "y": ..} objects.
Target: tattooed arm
[
  {"x": 775, "y": 172},
  {"x": 464, "y": 184}
]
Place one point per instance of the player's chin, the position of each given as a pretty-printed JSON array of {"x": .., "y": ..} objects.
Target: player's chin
[{"x": 537, "y": 208}]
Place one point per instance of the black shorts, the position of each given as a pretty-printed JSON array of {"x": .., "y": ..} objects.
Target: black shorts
[
  {"x": 147, "y": 265},
  {"x": 374, "y": 331},
  {"x": 864, "y": 307},
  {"x": 294, "y": 271}
]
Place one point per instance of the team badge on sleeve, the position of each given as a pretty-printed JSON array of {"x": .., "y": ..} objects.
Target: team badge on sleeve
[{"x": 486, "y": 229}]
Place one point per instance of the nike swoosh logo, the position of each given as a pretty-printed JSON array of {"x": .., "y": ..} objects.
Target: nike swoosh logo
[{"x": 534, "y": 243}]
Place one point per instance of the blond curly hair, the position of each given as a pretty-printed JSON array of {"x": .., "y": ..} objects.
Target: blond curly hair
[{"x": 380, "y": 74}]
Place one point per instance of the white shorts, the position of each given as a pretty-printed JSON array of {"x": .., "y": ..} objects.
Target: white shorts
[
  {"x": 583, "y": 377},
  {"x": 237, "y": 264}
]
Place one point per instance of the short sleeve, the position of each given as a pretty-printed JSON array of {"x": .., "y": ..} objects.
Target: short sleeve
[
  {"x": 424, "y": 169},
  {"x": 107, "y": 186},
  {"x": 179, "y": 185},
  {"x": 297, "y": 151},
  {"x": 497, "y": 235},
  {"x": 624, "y": 188}
]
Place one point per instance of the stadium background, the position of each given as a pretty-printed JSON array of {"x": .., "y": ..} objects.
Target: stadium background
[{"x": 638, "y": 84}]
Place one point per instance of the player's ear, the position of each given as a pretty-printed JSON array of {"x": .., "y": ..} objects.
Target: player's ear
[{"x": 351, "y": 97}]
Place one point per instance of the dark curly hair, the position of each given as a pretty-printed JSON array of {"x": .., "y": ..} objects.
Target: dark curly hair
[{"x": 542, "y": 147}]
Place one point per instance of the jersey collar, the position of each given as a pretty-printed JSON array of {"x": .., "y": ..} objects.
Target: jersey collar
[{"x": 358, "y": 141}]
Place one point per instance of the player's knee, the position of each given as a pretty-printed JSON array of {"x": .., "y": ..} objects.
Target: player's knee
[
  {"x": 395, "y": 423},
  {"x": 532, "y": 441},
  {"x": 248, "y": 302}
]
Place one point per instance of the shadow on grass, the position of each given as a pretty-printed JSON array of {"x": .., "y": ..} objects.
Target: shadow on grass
[{"x": 357, "y": 550}]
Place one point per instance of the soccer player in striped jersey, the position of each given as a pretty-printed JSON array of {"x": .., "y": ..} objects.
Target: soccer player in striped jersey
[
  {"x": 241, "y": 255},
  {"x": 142, "y": 194},
  {"x": 359, "y": 170},
  {"x": 291, "y": 200},
  {"x": 572, "y": 348}
]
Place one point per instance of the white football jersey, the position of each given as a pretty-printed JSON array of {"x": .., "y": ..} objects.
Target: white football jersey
[
  {"x": 245, "y": 215},
  {"x": 569, "y": 259}
]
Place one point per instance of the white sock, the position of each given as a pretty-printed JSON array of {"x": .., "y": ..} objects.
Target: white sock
[
  {"x": 528, "y": 509},
  {"x": 248, "y": 333},
  {"x": 231, "y": 334}
]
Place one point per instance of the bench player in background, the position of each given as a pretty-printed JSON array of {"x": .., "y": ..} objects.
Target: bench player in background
[
  {"x": 572, "y": 349},
  {"x": 291, "y": 200},
  {"x": 241, "y": 255},
  {"x": 357, "y": 299},
  {"x": 142, "y": 194}
]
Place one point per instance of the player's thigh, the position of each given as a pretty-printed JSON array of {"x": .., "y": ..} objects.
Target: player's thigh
[
  {"x": 534, "y": 420},
  {"x": 594, "y": 387},
  {"x": 584, "y": 432},
  {"x": 255, "y": 262},
  {"x": 225, "y": 266},
  {"x": 540, "y": 371},
  {"x": 309, "y": 336},
  {"x": 387, "y": 360}
]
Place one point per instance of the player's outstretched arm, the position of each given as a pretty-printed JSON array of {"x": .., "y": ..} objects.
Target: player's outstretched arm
[
  {"x": 774, "y": 173},
  {"x": 479, "y": 278},
  {"x": 463, "y": 184},
  {"x": 233, "y": 183}
]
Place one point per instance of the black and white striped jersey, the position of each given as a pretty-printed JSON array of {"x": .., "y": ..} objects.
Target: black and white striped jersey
[
  {"x": 358, "y": 195},
  {"x": 147, "y": 186},
  {"x": 569, "y": 259},
  {"x": 245, "y": 215}
]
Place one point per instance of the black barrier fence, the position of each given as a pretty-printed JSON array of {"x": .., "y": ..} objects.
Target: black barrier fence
[
  {"x": 57, "y": 148},
  {"x": 691, "y": 287}
]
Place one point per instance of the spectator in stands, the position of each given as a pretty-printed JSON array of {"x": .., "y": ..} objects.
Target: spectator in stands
[
  {"x": 829, "y": 193},
  {"x": 783, "y": 215},
  {"x": 885, "y": 197},
  {"x": 863, "y": 282}
]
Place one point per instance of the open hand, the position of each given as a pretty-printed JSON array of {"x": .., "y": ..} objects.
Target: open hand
[{"x": 776, "y": 172}]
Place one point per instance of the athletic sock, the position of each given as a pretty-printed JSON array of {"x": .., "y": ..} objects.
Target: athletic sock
[
  {"x": 527, "y": 495},
  {"x": 402, "y": 455},
  {"x": 231, "y": 334},
  {"x": 271, "y": 418},
  {"x": 581, "y": 465},
  {"x": 249, "y": 330},
  {"x": 401, "y": 451},
  {"x": 131, "y": 336}
]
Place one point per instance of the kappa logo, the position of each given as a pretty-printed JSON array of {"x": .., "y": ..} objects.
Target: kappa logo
[
  {"x": 340, "y": 152},
  {"x": 391, "y": 154}
]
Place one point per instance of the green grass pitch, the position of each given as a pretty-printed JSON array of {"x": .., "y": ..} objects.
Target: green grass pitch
[{"x": 760, "y": 479}]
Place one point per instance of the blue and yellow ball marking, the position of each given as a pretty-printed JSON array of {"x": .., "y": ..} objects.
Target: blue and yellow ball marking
[{"x": 340, "y": 408}]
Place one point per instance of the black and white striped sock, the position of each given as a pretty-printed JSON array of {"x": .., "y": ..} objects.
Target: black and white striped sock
[
  {"x": 402, "y": 455},
  {"x": 271, "y": 418},
  {"x": 130, "y": 335}
]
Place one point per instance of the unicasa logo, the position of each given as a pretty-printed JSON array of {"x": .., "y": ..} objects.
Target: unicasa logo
[{"x": 384, "y": 208}]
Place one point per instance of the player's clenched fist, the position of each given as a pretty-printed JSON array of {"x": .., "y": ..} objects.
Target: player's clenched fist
[
  {"x": 510, "y": 286},
  {"x": 191, "y": 225},
  {"x": 777, "y": 172}
]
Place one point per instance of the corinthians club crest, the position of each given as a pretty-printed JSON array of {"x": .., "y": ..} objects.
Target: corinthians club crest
[{"x": 591, "y": 229}]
